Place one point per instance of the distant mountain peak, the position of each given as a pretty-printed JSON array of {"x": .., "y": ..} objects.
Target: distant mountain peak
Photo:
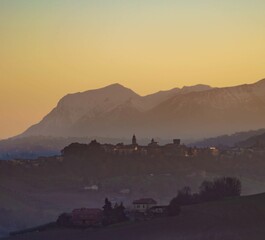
[
  {"x": 198, "y": 87},
  {"x": 262, "y": 81},
  {"x": 111, "y": 88},
  {"x": 115, "y": 85}
]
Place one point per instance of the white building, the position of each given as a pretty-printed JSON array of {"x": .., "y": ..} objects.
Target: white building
[{"x": 142, "y": 205}]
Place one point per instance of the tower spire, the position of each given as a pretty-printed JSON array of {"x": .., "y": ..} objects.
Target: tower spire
[{"x": 134, "y": 141}]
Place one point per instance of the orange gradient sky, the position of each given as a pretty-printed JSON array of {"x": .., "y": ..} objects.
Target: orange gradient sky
[{"x": 54, "y": 47}]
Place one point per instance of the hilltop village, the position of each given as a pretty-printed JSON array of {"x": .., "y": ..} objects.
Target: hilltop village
[
  {"x": 174, "y": 150},
  {"x": 152, "y": 149}
]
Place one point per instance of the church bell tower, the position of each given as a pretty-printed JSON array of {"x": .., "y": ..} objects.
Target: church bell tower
[{"x": 134, "y": 142}]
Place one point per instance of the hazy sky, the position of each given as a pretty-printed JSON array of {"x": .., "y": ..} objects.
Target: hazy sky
[{"x": 49, "y": 48}]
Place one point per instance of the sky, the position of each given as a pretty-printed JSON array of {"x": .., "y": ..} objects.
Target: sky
[{"x": 54, "y": 47}]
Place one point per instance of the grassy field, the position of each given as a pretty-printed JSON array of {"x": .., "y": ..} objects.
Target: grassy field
[{"x": 240, "y": 218}]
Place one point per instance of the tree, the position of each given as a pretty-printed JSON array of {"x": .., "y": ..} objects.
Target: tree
[
  {"x": 119, "y": 213},
  {"x": 207, "y": 191},
  {"x": 113, "y": 214},
  {"x": 173, "y": 207},
  {"x": 227, "y": 187},
  {"x": 107, "y": 208},
  {"x": 184, "y": 196},
  {"x": 220, "y": 188}
]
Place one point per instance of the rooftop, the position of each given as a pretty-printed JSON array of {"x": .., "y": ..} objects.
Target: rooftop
[{"x": 145, "y": 201}]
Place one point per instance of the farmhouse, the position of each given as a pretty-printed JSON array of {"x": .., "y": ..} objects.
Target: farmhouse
[
  {"x": 85, "y": 217},
  {"x": 143, "y": 204}
]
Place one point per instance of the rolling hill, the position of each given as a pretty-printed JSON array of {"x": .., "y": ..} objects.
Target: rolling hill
[
  {"x": 232, "y": 140},
  {"x": 34, "y": 192},
  {"x": 240, "y": 218},
  {"x": 255, "y": 141}
]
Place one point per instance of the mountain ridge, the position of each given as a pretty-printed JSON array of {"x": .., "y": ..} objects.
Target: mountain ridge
[
  {"x": 96, "y": 103},
  {"x": 229, "y": 110},
  {"x": 194, "y": 112}
]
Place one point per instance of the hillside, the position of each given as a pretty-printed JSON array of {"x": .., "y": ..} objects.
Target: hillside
[
  {"x": 210, "y": 113},
  {"x": 255, "y": 141},
  {"x": 36, "y": 191},
  {"x": 240, "y": 218},
  {"x": 228, "y": 140}
]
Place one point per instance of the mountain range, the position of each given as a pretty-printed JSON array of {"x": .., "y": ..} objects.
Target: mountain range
[
  {"x": 114, "y": 113},
  {"x": 190, "y": 113}
]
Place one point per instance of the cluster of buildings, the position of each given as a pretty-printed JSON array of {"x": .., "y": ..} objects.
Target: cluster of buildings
[
  {"x": 154, "y": 149},
  {"x": 148, "y": 207},
  {"x": 91, "y": 217}
]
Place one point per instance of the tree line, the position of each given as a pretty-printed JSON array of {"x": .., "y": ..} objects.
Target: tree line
[
  {"x": 217, "y": 189},
  {"x": 113, "y": 214}
]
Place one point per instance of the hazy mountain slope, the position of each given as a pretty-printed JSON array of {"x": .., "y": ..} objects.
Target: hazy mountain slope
[
  {"x": 255, "y": 141},
  {"x": 210, "y": 113},
  {"x": 192, "y": 112},
  {"x": 154, "y": 99},
  {"x": 112, "y": 111},
  {"x": 228, "y": 140},
  {"x": 73, "y": 107}
]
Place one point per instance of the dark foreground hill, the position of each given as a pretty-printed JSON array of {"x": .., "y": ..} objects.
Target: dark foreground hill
[
  {"x": 34, "y": 192},
  {"x": 232, "y": 219}
]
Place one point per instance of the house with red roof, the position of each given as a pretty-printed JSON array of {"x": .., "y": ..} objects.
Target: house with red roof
[{"x": 86, "y": 217}]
